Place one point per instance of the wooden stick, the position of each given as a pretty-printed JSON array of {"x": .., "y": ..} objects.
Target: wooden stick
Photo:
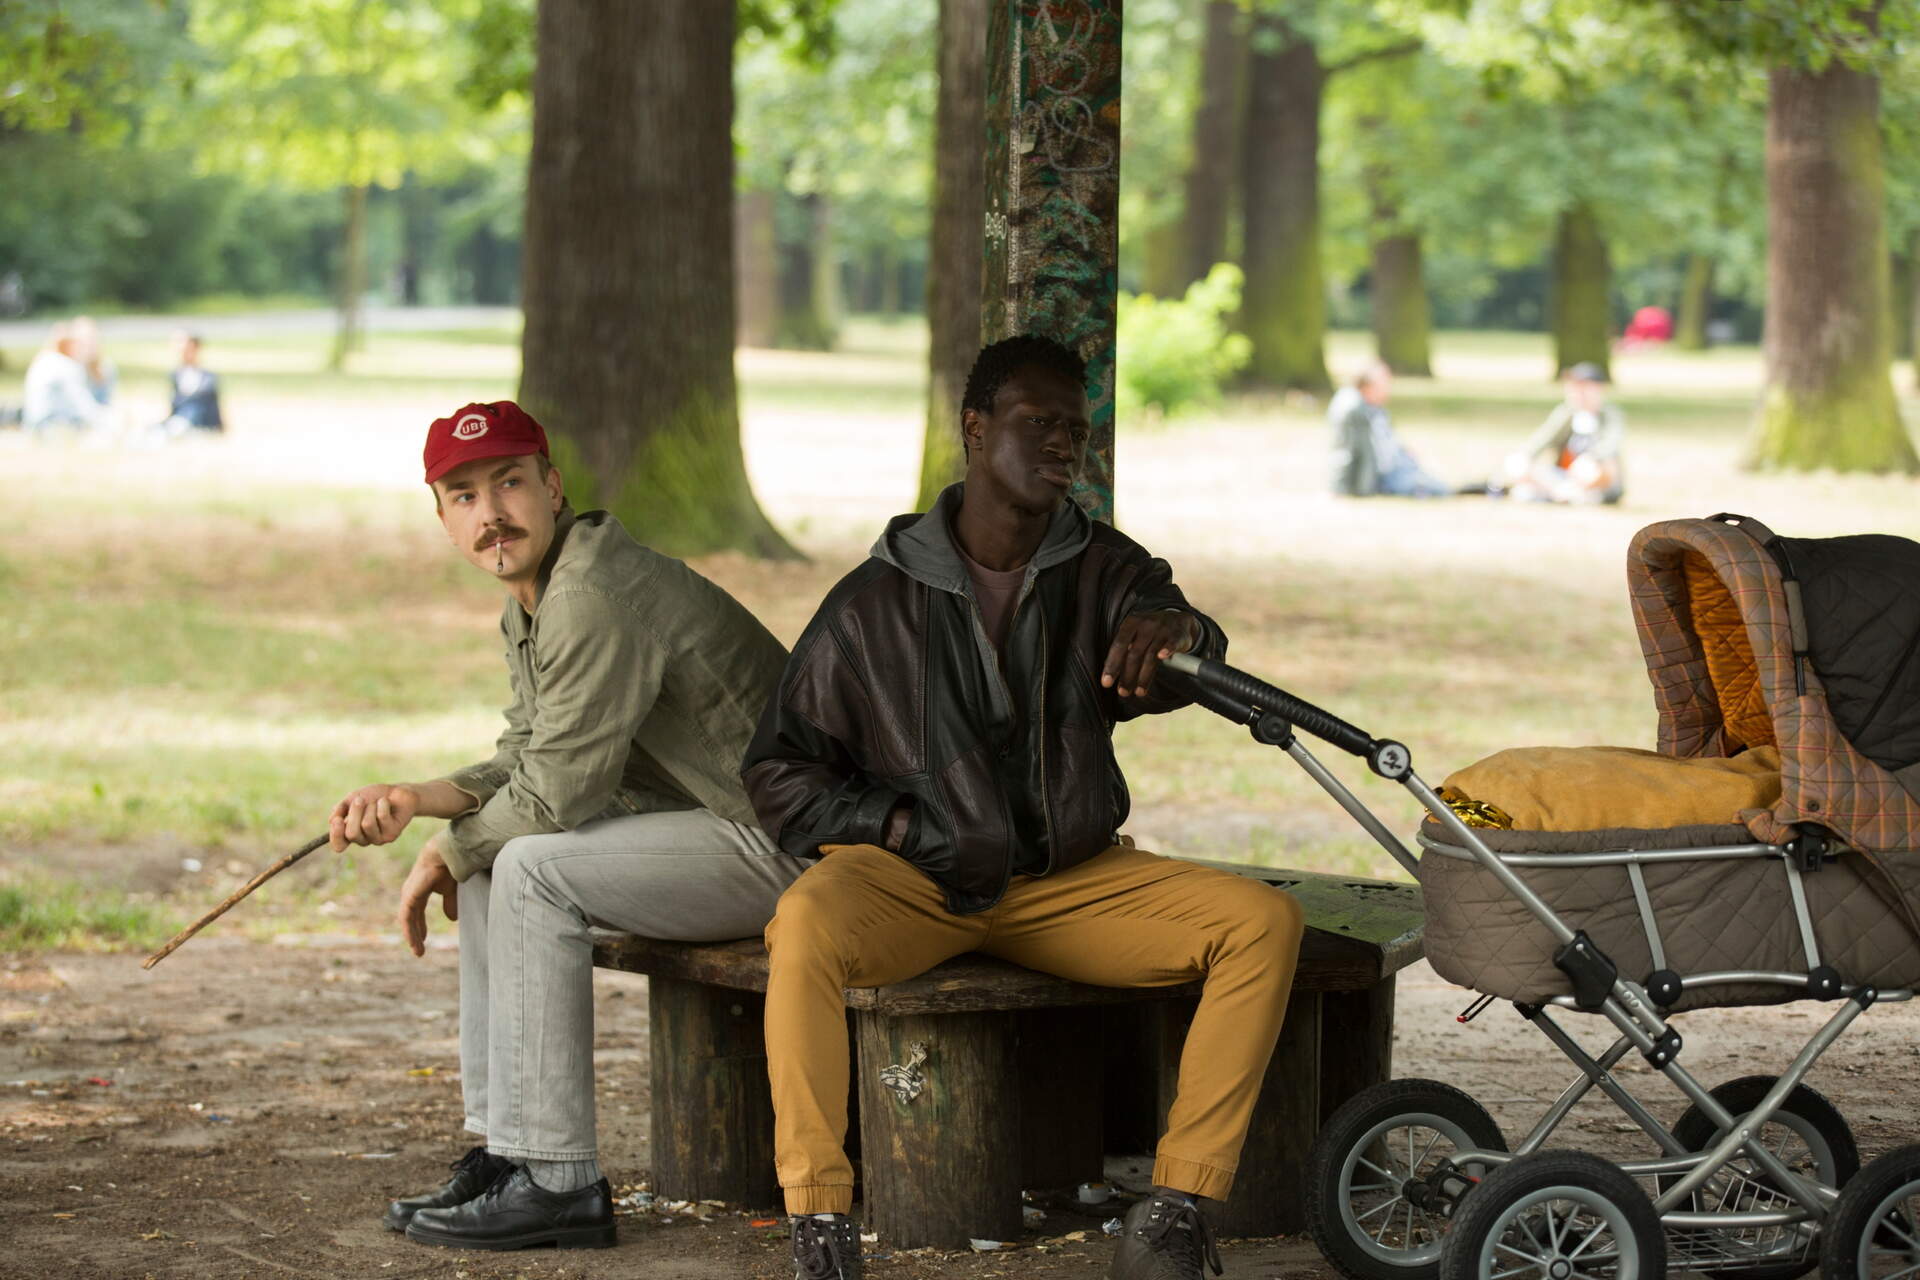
[{"x": 238, "y": 894}]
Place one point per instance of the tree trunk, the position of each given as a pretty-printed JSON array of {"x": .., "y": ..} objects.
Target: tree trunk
[
  {"x": 824, "y": 282},
  {"x": 419, "y": 229},
  {"x": 1901, "y": 302},
  {"x": 886, "y": 264},
  {"x": 1581, "y": 307},
  {"x": 1053, "y": 199},
  {"x": 806, "y": 322},
  {"x": 1210, "y": 175},
  {"x": 627, "y": 352},
  {"x": 353, "y": 278},
  {"x": 1163, "y": 260},
  {"x": 1402, "y": 323},
  {"x": 1829, "y": 344},
  {"x": 1913, "y": 303},
  {"x": 756, "y": 256},
  {"x": 1696, "y": 302},
  {"x": 953, "y": 251},
  {"x": 1284, "y": 308}
]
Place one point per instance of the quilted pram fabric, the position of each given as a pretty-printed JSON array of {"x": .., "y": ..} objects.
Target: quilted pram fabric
[
  {"x": 1717, "y": 627},
  {"x": 1745, "y": 636},
  {"x": 1711, "y": 916}
]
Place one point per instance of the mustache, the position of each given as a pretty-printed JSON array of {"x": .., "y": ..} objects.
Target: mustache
[{"x": 495, "y": 533}]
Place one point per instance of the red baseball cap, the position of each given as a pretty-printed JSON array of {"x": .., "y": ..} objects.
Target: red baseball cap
[{"x": 498, "y": 430}]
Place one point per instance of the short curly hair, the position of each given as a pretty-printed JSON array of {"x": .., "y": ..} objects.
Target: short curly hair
[{"x": 1000, "y": 360}]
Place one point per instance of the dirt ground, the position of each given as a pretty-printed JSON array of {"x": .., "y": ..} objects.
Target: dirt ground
[{"x": 247, "y": 1108}]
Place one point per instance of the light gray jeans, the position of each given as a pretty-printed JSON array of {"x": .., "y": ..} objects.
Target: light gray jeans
[{"x": 526, "y": 960}]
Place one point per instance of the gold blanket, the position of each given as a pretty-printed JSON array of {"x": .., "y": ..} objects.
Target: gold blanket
[{"x": 1588, "y": 788}]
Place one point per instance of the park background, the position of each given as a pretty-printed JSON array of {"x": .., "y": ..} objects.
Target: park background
[{"x": 205, "y": 644}]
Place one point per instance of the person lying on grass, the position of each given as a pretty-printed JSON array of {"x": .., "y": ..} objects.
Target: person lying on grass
[
  {"x": 942, "y": 745},
  {"x": 613, "y": 795}
]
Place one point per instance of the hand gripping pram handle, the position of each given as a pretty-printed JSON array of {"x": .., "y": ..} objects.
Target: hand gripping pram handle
[{"x": 1238, "y": 690}]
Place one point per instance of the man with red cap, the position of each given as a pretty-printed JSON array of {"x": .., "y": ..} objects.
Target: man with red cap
[{"x": 614, "y": 795}]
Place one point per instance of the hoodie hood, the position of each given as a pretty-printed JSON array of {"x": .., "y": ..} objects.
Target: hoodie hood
[{"x": 921, "y": 545}]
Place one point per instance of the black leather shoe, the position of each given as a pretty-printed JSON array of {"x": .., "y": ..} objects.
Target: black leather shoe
[
  {"x": 472, "y": 1174},
  {"x": 514, "y": 1213}
]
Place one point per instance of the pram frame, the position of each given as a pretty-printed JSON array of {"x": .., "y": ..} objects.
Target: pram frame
[{"x": 1271, "y": 715}]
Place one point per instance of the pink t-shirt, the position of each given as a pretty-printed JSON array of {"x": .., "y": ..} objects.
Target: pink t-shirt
[{"x": 998, "y": 591}]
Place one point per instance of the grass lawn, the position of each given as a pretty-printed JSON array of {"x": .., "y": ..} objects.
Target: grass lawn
[{"x": 205, "y": 645}]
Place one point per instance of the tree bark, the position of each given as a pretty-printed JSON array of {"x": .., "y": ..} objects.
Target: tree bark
[
  {"x": 1402, "y": 322},
  {"x": 627, "y": 350},
  {"x": 1053, "y": 199},
  {"x": 1696, "y": 301},
  {"x": 1901, "y": 302},
  {"x": 1210, "y": 175},
  {"x": 1581, "y": 306},
  {"x": 954, "y": 265},
  {"x": 1284, "y": 307},
  {"x": 353, "y": 278},
  {"x": 806, "y": 298},
  {"x": 1913, "y": 302},
  {"x": 756, "y": 255},
  {"x": 1829, "y": 399}
]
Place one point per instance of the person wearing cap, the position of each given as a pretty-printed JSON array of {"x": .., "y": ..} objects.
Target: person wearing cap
[
  {"x": 613, "y": 796},
  {"x": 1574, "y": 457}
]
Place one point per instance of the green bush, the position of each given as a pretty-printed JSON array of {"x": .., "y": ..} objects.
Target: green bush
[{"x": 1174, "y": 354}]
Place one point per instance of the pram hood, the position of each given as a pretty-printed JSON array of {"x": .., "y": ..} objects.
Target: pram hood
[{"x": 1808, "y": 644}]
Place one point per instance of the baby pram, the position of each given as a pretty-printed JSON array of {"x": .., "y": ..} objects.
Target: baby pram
[{"x": 1807, "y": 646}]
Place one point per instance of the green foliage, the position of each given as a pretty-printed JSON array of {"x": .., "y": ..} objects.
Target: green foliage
[
  {"x": 1808, "y": 34},
  {"x": 84, "y": 223},
  {"x": 92, "y": 66},
  {"x": 1176, "y": 354},
  {"x": 327, "y": 93}
]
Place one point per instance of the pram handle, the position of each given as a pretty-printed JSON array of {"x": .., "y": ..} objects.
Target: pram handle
[{"x": 1233, "y": 684}]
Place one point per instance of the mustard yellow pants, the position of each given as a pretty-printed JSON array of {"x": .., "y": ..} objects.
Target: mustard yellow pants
[{"x": 863, "y": 917}]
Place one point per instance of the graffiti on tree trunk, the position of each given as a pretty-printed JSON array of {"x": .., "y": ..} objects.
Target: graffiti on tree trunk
[{"x": 1053, "y": 189}]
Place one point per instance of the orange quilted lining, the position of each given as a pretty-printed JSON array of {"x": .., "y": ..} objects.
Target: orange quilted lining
[{"x": 1730, "y": 665}]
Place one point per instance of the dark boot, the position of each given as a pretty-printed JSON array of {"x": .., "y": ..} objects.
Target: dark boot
[
  {"x": 473, "y": 1173},
  {"x": 825, "y": 1249},
  {"x": 1164, "y": 1238},
  {"x": 515, "y": 1213}
]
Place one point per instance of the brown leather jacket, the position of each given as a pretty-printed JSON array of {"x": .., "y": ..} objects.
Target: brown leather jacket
[{"x": 894, "y": 693}]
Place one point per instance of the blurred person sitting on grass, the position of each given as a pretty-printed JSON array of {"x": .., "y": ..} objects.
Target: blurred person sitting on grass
[
  {"x": 59, "y": 393},
  {"x": 196, "y": 391},
  {"x": 613, "y": 796},
  {"x": 102, "y": 377},
  {"x": 1574, "y": 457},
  {"x": 1368, "y": 458}
]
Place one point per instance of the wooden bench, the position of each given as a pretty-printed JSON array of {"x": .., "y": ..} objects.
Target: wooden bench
[{"x": 1024, "y": 1081}]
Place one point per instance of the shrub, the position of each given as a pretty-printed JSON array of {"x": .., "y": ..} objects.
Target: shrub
[{"x": 1174, "y": 354}]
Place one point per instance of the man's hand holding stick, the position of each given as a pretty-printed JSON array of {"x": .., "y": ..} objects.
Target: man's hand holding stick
[{"x": 368, "y": 816}]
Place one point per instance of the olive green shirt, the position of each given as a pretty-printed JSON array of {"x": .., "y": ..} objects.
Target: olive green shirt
[{"x": 637, "y": 685}]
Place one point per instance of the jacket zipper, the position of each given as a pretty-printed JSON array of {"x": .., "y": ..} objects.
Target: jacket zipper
[
  {"x": 986, "y": 642},
  {"x": 1046, "y": 801}
]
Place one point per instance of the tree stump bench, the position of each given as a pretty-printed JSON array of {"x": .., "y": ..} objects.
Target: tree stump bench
[{"x": 979, "y": 1078}]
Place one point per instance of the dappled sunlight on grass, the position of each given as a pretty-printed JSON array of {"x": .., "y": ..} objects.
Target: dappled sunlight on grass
[{"x": 205, "y": 645}]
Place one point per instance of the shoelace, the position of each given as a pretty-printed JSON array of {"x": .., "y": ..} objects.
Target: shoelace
[
  {"x": 819, "y": 1252},
  {"x": 1192, "y": 1246},
  {"x": 476, "y": 1159}
]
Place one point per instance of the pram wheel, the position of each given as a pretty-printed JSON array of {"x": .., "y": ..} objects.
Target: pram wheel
[
  {"x": 1810, "y": 1137},
  {"x": 1556, "y": 1215},
  {"x": 1873, "y": 1231},
  {"x": 1380, "y": 1203}
]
